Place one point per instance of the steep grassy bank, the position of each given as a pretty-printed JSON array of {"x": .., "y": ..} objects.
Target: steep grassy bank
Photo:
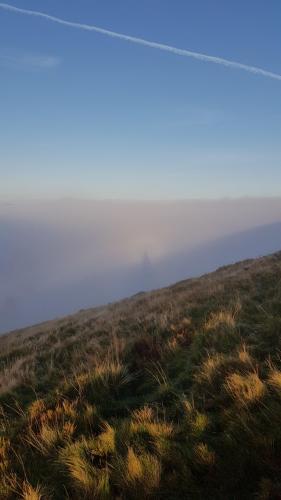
[{"x": 170, "y": 394}]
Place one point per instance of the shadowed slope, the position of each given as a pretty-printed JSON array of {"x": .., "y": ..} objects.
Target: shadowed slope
[{"x": 163, "y": 395}]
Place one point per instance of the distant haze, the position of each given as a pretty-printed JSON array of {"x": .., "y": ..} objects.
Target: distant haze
[{"x": 57, "y": 257}]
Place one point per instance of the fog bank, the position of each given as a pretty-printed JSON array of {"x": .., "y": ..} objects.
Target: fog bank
[{"x": 57, "y": 257}]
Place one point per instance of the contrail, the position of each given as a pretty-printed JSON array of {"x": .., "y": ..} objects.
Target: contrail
[{"x": 140, "y": 41}]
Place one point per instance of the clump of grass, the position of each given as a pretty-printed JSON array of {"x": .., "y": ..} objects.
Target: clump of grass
[
  {"x": 210, "y": 368},
  {"x": 111, "y": 374},
  {"x": 199, "y": 423},
  {"x": 105, "y": 442},
  {"x": 203, "y": 455},
  {"x": 50, "y": 433},
  {"x": 134, "y": 470},
  {"x": 159, "y": 375},
  {"x": 144, "y": 414},
  {"x": 244, "y": 356},
  {"x": 28, "y": 492},
  {"x": 150, "y": 434},
  {"x": 274, "y": 380},
  {"x": 46, "y": 440},
  {"x": 155, "y": 429},
  {"x": 79, "y": 468},
  {"x": 36, "y": 409},
  {"x": 39, "y": 414},
  {"x": 88, "y": 480},
  {"x": 49, "y": 428},
  {"x": 139, "y": 475},
  {"x": 245, "y": 389},
  {"x": 215, "y": 368},
  {"x": 221, "y": 319},
  {"x": 106, "y": 378}
]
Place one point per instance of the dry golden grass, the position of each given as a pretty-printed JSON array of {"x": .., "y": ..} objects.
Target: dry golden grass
[
  {"x": 139, "y": 474},
  {"x": 106, "y": 419},
  {"x": 199, "y": 423},
  {"x": 30, "y": 493},
  {"x": 210, "y": 368},
  {"x": 245, "y": 389},
  {"x": 244, "y": 356},
  {"x": 36, "y": 409},
  {"x": 134, "y": 470},
  {"x": 46, "y": 440},
  {"x": 145, "y": 414},
  {"x": 90, "y": 482},
  {"x": 154, "y": 429},
  {"x": 79, "y": 469},
  {"x": 105, "y": 442},
  {"x": 274, "y": 379},
  {"x": 203, "y": 455},
  {"x": 48, "y": 428},
  {"x": 221, "y": 318}
]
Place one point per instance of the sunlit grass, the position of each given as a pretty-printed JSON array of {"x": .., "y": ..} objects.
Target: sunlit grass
[
  {"x": 245, "y": 389},
  {"x": 32, "y": 493},
  {"x": 175, "y": 395}
]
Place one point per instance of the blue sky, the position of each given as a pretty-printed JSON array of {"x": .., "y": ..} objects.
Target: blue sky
[{"x": 84, "y": 115}]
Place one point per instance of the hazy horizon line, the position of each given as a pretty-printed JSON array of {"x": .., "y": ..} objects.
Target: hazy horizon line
[{"x": 63, "y": 199}]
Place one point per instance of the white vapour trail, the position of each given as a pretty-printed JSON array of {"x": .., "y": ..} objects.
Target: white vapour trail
[{"x": 146, "y": 43}]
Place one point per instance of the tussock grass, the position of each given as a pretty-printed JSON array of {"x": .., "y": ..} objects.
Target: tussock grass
[
  {"x": 143, "y": 415},
  {"x": 203, "y": 455},
  {"x": 210, "y": 367},
  {"x": 139, "y": 475},
  {"x": 220, "y": 319},
  {"x": 171, "y": 394},
  {"x": 199, "y": 424},
  {"x": 245, "y": 389},
  {"x": 79, "y": 468},
  {"x": 32, "y": 493},
  {"x": 274, "y": 380},
  {"x": 244, "y": 356}
]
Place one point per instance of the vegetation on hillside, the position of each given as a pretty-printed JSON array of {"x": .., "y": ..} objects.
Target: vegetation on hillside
[{"x": 171, "y": 394}]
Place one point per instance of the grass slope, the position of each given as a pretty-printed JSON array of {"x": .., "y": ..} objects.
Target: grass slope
[{"x": 170, "y": 394}]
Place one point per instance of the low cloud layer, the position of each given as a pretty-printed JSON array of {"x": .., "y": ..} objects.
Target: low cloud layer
[{"x": 58, "y": 257}]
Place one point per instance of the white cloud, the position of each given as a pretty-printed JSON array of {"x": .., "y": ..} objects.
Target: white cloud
[
  {"x": 44, "y": 62},
  {"x": 25, "y": 60}
]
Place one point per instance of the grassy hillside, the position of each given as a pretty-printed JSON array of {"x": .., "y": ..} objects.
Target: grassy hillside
[{"x": 170, "y": 394}]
